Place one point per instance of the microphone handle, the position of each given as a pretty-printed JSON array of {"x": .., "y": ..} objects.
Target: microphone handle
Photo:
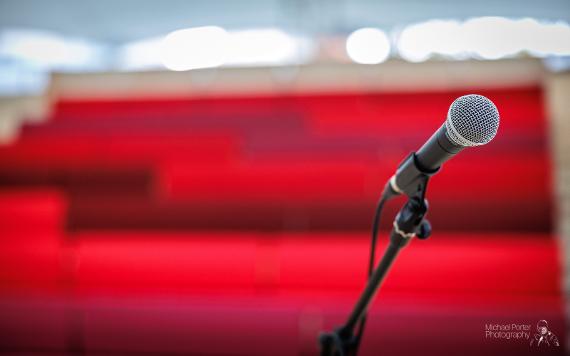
[
  {"x": 436, "y": 151},
  {"x": 423, "y": 163}
]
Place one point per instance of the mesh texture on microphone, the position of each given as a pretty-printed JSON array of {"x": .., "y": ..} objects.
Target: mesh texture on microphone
[{"x": 472, "y": 120}]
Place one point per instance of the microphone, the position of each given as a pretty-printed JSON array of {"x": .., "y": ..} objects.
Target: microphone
[{"x": 472, "y": 120}]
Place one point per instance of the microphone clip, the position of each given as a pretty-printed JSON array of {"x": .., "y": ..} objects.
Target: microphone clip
[{"x": 410, "y": 179}]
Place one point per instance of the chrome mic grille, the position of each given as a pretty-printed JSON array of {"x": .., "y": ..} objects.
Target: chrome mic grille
[{"x": 472, "y": 120}]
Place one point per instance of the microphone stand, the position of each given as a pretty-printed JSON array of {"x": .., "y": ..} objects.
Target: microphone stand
[{"x": 409, "y": 222}]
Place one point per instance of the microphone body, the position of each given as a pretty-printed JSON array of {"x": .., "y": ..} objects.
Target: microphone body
[{"x": 436, "y": 151}]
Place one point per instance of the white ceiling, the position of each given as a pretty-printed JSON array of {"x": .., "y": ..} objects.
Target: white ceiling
[{"x": 117, "y": 21}]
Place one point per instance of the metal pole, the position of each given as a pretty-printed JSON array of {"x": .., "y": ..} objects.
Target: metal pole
[{"x": 373, "y": 285}]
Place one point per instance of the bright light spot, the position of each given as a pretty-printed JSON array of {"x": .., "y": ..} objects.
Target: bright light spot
[
  {"x": 193, "y": 48},
  {"x": 418, "y": 42},
  {"x": 140, "y": 55},
  {"x": 550, "y": 40},
  {"x": 491, "y": 37},
  {"x": 368, "y": 46},
  {"x": 483, "y": 37},
  {"x": 206, "y": 47},
  {"x": 262, "y": 47},
  {"x": 20, "y": 78},
  {"x": 50, "y": 52}
]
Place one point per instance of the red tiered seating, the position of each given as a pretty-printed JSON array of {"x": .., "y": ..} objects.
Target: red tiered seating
[{"x": 240, "y": 225}]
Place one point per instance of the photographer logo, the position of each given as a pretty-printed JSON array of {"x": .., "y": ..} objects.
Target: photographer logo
[{"x": 537, "y": 337}]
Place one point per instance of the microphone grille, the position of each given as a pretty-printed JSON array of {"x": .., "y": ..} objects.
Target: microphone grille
[{"x": 472, "y": 120}]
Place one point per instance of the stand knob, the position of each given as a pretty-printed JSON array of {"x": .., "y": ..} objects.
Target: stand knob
[{"x": 424, "y": 230}]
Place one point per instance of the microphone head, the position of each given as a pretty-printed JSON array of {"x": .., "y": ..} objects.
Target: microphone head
[{"x": 472, "y": 120}]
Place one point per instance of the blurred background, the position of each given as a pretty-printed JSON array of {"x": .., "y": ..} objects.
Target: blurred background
[{"x": 199, "y": 178}]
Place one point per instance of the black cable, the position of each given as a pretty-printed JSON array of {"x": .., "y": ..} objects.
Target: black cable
[
  {"x": 375, "y": 228},
  {"x": 372, "y": 258}
]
